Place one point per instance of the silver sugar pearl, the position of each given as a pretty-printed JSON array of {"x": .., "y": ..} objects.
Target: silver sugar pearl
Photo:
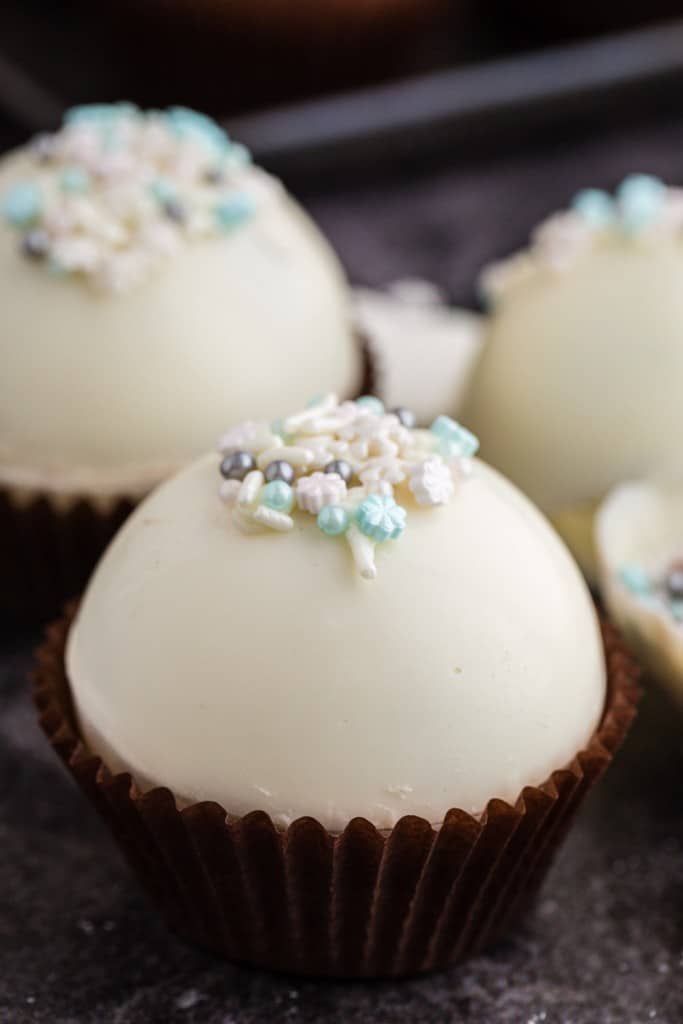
[
  {"x": 279, "y": 470},
  {"x": 406, "y": 416},
  {"x": 342, "y": 468},
  {"x": 237, "y": 465},
  {"x": 674, "y": 582},
  {"x": 174, "y": 211},
  {"x": 214, "y": 176},
  {"x": 36, "y": 244}
]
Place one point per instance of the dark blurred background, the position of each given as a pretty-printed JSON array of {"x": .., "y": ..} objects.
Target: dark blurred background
[{"x": 426, "y": 136}]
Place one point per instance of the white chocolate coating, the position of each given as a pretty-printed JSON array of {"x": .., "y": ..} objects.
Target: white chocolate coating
[
  {"x": 579, "y": 383},
  {"x": 640, "y": 524},
  {"x": 102, "y": 391},
  {"x": 263, "y": 672}
]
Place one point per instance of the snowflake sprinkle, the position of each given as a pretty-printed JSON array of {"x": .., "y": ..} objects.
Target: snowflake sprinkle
[{"x": 349, "y": 465}]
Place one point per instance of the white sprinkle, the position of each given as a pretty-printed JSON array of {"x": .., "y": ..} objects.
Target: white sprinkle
[
  {"x": 326, "y": 404},
  {"x": 245, "y": 521},
  {"x": 228, "y": 492},
  {"x": 363, "y": 551},
  {"x": 188, "y": 999},
  {"x": 251, "y": 485},
  {"x": 273, "y": 519},
  {"x": 298, "y": 457}
]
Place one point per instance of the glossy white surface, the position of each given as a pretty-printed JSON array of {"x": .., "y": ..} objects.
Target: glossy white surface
[{"x": 263, "y": 672}]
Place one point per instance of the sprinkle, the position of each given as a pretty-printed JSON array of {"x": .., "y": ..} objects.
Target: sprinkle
[
  {"x": 300, "y": 458},
  {"x": 333, "y": 520},
  {"x": 455, "y": 440},
  {"x": 595, "y": 207},
  {"x": 635, "y": 579},
  {"x": 175, "y": 211},
  {"x": 251, "y": 485},
  {"x": 278, "y": 495},
  {"x": 36, "y": 244},
  {"x": 233, "y": 210},
  {"x": 319, "y": 489},
  {"x": 431, "y": 482},
  {"x": 251, "y": 435},
  {"x": 273, "y": 519},
  {"x": 380, "y": 518},
  {"x": 640, "y": 198},
  {"x": 363, "y": 551},
  {"x": 246, "y": 521},
  {"x": 280, "y": 470},
  {"x": 406, "y": 417},
  {"x": 342, "y": 468},
  {"x": 236, "y": 465},
  {"x": 371, "y": 403},
  {"x": 22, "y": 204},
  {"x": 74, "y": 179}
]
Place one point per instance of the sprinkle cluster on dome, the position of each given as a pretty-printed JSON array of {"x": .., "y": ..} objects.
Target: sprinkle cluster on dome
[
  {"x": 642, "y": 208},
  {"x": 662, "y": 591},
  {"x": 351, "y": 465},
  {"x": 117, "y": 190}
]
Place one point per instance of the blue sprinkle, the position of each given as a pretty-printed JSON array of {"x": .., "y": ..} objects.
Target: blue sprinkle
[
  {"x": 278, "y": 495},
  {"x": 640, "y": 198},
  {"x": 22, "y": 205},
  {"x": 380, "y": 518},
  {"x": 191, "y": 125},
  {"x": 371, "y": 403},
  {"x": 455, "y": 439},
  {"x": 237, "y": 156},
  {"x": 101, "y": 114},
  {"x": 595, "y": 207},
  {"x": 677, "y": 610},
  {"x": 231, "y": 211},
  {"x": 333, "y": 520},
  {"x": 162, "y": 190},
  {"x": 74, "y": 179},
  {"x": 635, "y": 579}
]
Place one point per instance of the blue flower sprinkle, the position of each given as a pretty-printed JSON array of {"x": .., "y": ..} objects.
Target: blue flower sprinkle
[
  {"x": 380, "y": 518},
  {"x": 100, "y": 114},
  {"x": 455, "y": 440},
  {"x": 233, "y": 210}
]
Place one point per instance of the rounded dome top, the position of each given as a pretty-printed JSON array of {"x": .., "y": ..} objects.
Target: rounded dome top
[
  {"x": 154, "y": 283},
  {"x": 578, "y": 383},
  {"x": 260, "y": 670}
]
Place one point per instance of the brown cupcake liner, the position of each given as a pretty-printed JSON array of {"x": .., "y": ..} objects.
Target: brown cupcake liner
[
  {"x": 50, "y": 545},
  {"x": 362, "y": 903}
]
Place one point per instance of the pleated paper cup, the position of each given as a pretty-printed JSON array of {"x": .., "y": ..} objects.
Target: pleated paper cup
[{"x": 360, "y": 903}]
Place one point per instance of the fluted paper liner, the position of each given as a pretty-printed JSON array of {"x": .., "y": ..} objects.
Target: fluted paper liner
[
  {"x": 362, "y": 903},
  {"x": 50, "y": 546}
]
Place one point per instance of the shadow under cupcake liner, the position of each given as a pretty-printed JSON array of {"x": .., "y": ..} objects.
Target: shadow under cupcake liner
[
  {"x": 362, "y": 903},
  {"x": 49, "y": 546}
]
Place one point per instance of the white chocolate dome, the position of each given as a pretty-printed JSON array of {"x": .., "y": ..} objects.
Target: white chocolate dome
[
  {"x": 579, "y": 383},
  {"x": 109, "y": 389},
  {"x": 261, "y": 671}
]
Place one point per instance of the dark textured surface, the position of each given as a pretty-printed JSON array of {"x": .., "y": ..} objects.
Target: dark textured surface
[{"x": 605, "y": 944}]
